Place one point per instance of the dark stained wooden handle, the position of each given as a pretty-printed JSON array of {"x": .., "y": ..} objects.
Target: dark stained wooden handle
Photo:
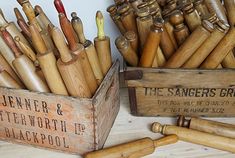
[
  {"x": 10, "y": 42},
  {"x": 19, "y": 15},
  {"x": 24, "y": 27},
  {"x": 68, "y": 31},
  {"x": 59, "y": 7}
]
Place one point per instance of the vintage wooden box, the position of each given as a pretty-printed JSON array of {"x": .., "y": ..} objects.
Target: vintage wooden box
[
  {"x": 58, "y": 122},
  {"x": 172, "y": 92}
]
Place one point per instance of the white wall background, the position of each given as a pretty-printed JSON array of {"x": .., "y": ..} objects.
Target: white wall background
[{"x": 86, "y": 10}]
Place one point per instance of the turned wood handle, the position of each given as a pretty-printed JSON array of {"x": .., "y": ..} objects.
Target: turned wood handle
[
  {"x": 21, "y": 2},
  {"x": 38, "y": 9},
  {"x": 60, "y": 43},
  {"x": 100, "y": 25},
  {"x": 29, "y": 12},
  {"x": 10, "y": 42},
  {"x": 196, "y": 137},
  {"x": 59, "y": 7},
  {"x": 25, "y": 49},
  {"x": 24, "y": 27},
  {"x": 78, "y": 27},
  {"x": 18, "y": 15},
  {"x": 68, "y": 31},
  {"x": 37, "y": 40}
]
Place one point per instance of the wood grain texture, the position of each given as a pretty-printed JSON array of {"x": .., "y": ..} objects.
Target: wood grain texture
[
  {"x": 220, "y": 51},
  {"x": 229, "y": 61},
  {"x": 197, "y": 137},
  {"x": 186, "y": 50},
  {"x": 87, "y": 70},
  {"x": 53, "y": 78},
  {"x": 78, "y": 120},
  {"x": 171, "y": 92},
  {"x": 6, "y": 66},
  {"x": 150, "y": 47},
  {"x": 205, "y": 49},
  {"x": 95, "y": 63},
  {"x": 68, "y": 31},
  {"x": 208, "y": 126},
  {"x": 127, "y": 128},
  {"x": 215, "y": 6},
  {"x": 7, "y": 81},
  {"x": 103, "y": 49}
]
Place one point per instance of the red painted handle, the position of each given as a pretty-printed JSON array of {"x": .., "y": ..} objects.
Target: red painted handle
[{"x": 59, "y": 7}]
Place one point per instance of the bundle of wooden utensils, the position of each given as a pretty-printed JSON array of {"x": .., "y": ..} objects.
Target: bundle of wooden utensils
[
  {"x": 176, "y": 33},
  {"x": 196, "y": 130},
  {"x": 38, "y": 57}
]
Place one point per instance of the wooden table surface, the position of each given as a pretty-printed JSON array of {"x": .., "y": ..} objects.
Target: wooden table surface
[{"x": 127, "y": 128}]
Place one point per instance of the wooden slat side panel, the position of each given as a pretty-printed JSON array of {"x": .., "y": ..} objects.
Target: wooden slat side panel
[
  {"x": 163, "y": 78},
  {"x": 107, "y": 106},
  {"x": 46, "y": 120},
  {"x": 188, "y": 102}
]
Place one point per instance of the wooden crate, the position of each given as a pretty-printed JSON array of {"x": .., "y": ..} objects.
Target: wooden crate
[
  {"x": 57, "y": 122},
  {"x": 172, "y": 92}
]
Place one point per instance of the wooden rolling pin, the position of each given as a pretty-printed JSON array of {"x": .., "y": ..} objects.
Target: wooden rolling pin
[
  {"x": 221, "y": 50},
  {"x": 215, "y": 6},
  {"x": 207, "y": 47},
  {"x": 191, "y": 17},
  {"x": 47, "y": 62},
  {"x": 25, "y": 67},
  {"x": 151, "y": 44},
  {"x": 60, "y": 7},
  {"x": 6, "y": 66},
  {"x": 70, "y": 68},
  {"x": 197, "y": 137},
  {"x": 128, "y": 18},
  {"x": 41, "y": 17},
  {"x": 213, "y": 127},
  {"x": 116, "y": 18},
  {"x": 201, "y": 8},
  {"x": 6, "y": 52},
  {"x": 230, "y": 8},
  {"x": 68, "y": 31},
  {"x": 135, "y": 149},
  {"x": 192, "y": 43},
  {"x": 6, "y": 80},
  {"x": 166, "y": 43},
  {"x": 132, "y": 37},
  {"x": 102, "y": 45},
  {"x": 181, "y": 31},
  {"x": 124, "y": 47},
  {"x": 18, "y": 15},
  {"x": 12, "y": 29},
  {"x": 29, "y": 12},
  {"x": 90, "y": 49},
  {"x": 144, "y": 22},
  {"x": 22, "y": 24}
]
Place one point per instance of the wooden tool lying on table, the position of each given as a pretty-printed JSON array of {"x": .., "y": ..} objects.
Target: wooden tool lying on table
[
  {"x": 197, "y": 137},
  {"x": 135, "y": 149},
  {"x": 218, "y": 128}
]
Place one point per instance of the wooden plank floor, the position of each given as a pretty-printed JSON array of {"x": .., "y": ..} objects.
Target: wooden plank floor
[{"x": 127, "y": 128}]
